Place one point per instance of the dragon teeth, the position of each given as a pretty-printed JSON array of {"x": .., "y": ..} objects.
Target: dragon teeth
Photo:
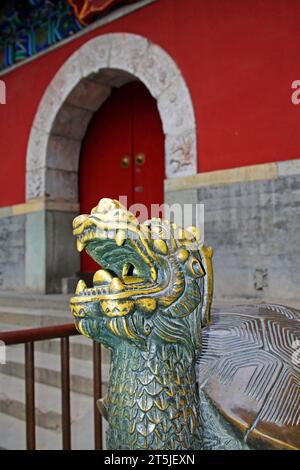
[
  {"x": 116, "y": 285},
  {"x": 120, "y": 237},
  {"x": 102, "y": 277},
  {"x": 81, "y": 285},
  {"x": 182, "y": 255},
  {"x": 80, "y": 245},
  {"x": 161, "y": 246},
  {"x": 153, "y": 273}
]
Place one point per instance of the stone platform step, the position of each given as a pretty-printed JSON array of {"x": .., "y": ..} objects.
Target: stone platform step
[
  {"x": 47, "y": 402},
  {"x": 36, "y": 314},
  {"x": 28, "y": 311},
  {"x": 13, "y": 434},
  {"x": 13, "y": 317},
  {"x": 80, "y": 346},
  {"x": 47, "y": 370},
  {"x": 33, "y": 317},
  {"x": 49, "y": 301},
  {"x": 48, "y": 416}
]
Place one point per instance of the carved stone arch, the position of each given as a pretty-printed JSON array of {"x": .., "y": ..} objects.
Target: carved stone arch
[
  {"x": 79, "y": 88},
  {"x": 75, "y": 93}
]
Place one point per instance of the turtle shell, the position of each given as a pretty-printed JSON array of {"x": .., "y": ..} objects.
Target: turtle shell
[{"x": 250, "y": 370}]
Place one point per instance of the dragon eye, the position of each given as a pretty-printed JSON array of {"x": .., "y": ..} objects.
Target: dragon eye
[{"x": 196, "y": 267}]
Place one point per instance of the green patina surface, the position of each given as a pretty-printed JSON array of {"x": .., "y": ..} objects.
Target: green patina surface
[
  {"x": 150, "y": 305},
  {"x": 147, "y": 305}
]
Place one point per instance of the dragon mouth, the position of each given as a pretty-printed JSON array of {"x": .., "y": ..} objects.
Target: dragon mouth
[
  {"x": 149, "y": 273},
  {"x": 116, "y": 241}
]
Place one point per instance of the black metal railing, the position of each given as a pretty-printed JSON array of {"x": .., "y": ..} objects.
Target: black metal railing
[{"x": 28, "y": 337}]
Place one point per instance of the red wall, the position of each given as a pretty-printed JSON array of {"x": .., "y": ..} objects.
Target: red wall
[{"x": 239, "y": 59}]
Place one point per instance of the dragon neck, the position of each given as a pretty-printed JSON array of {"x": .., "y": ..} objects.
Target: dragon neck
[{"x": 152, "y": 399}]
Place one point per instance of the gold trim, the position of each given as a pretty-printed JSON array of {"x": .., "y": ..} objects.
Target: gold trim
[{"x": 37, "y": 205}]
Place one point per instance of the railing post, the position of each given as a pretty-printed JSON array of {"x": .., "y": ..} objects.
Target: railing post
[
  {"x": 28, "y": 337},
  {"x": 30, "y": 398},
  {"x": 97, "y": 393},
  {"x": 65, "y": 393}
]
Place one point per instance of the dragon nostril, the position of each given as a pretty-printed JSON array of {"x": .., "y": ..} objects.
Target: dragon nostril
[
  {"x": 196, "y": 268},
  {"x": 129, "y": 270},
  {"x": 132, "y": 270}
]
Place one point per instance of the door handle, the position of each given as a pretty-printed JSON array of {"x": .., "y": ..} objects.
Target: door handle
[
  {"x": 139, "y": 189},
  {"x": 125, "y": 161},
  {"x": 140, "y": 158}
]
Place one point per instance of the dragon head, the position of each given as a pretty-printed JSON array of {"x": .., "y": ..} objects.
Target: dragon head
[{"x": 155, "y": 279}]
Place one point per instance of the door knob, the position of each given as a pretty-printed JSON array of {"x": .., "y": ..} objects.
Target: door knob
[
  {"x": 140, "y": 158},
  {"x": 125, "y": 161}
]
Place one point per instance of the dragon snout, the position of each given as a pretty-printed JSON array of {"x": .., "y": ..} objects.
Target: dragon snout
[
  {"x": 106, "y": 205},
  {"x": 79, "y": 220}
]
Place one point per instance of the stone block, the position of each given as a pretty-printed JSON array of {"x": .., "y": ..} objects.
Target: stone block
[
  {"x": 50, "y": 253},
  {"x": 94, "y": 55},
  {"x": 71, "y": 122},
  {"x": 12, "y": 253},
  {"x": 63, "y": 153},
  {"x": 181, "y": 152},
  {"x": 88, "y": 94},
  {"x": 6, "y": 211},
  {"x": 47, "y": 110},
  {"x": 113, "y": 78},
  {"x": 127, "y": 51},
  {"x": 288, "y": 168},
  {"x": 35, "y": 183},
  {"x": 157, "y": 70},
  {"x": 67, "y": 76},
  {"x": 62, "y": 185},
  {"x": 253, "y": 227},
  {"x": 176, "y": 109},
  {"x": 68, "y": 285},
  {"x": 188, "y": 196},
  {"x": 37, "y": 149},
  {"x": 191, "y": 211},
  {"x": 63, "y": 260},
  {"x": 35, "y": 252}
]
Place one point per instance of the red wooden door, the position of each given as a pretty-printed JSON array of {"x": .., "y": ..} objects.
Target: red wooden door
[{"x": 122, "y": 153}]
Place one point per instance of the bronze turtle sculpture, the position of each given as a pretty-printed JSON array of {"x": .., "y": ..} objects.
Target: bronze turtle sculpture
[{"x": 182, "y": 377}]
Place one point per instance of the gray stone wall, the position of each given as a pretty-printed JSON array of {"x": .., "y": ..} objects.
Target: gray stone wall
[
  {"x": 51, "y": 253},
  {"x": 37, "y": 250},
  {"x": 63, "y": 259},
  {"x": 12, "y": 253},
  {"x": 254, "y": 228}
]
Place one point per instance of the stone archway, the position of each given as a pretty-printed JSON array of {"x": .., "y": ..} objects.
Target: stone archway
[
  {"x": 79, "y": 88},
  {"x": 75, "y": 93}
]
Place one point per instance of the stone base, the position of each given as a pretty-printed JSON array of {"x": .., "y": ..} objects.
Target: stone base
[{"x": 37, "y": 251}]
